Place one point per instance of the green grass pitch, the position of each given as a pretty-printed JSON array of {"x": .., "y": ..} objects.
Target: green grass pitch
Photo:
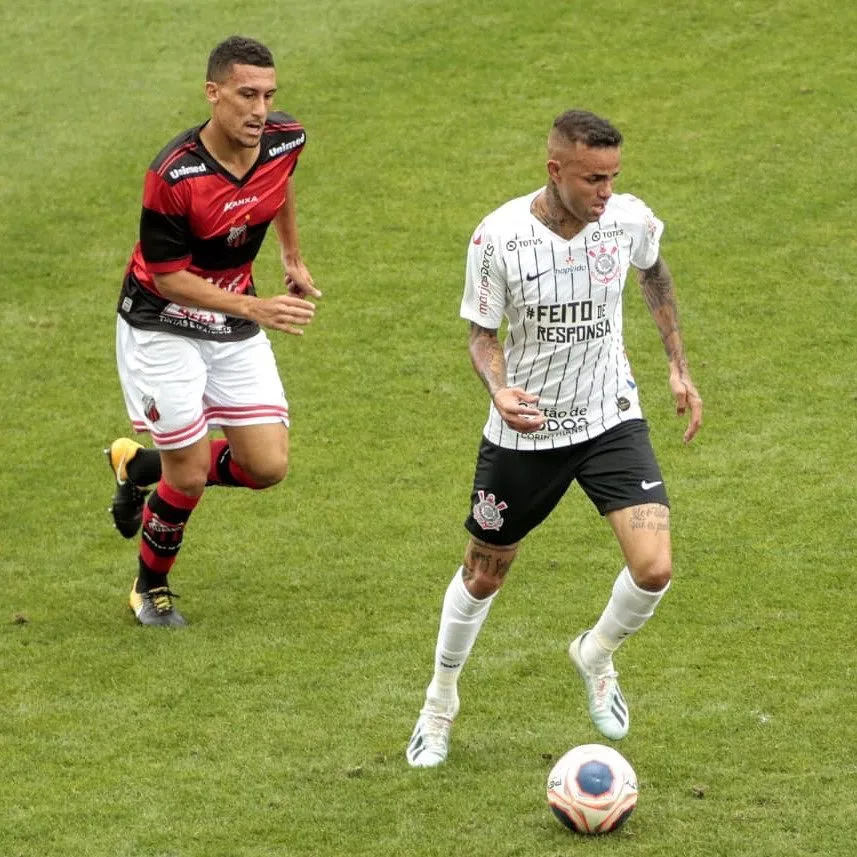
[{"x": 276, "y": 724}]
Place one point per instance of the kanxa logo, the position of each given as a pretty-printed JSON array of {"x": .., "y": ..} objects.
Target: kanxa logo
[{"x": 237, "y": 203}]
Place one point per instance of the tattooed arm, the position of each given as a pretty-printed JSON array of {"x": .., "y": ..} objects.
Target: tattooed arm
[
  {"x": 658, "y": 290},
  {"x": 513, "y": 403}
]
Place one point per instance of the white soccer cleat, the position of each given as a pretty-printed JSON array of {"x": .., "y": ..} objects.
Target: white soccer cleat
[
  {"x": 429, "y": 744},
  {"x": 607, "y": 706}
]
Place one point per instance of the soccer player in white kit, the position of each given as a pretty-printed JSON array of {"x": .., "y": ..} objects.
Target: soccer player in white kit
[{"x": 564, "y": 407}]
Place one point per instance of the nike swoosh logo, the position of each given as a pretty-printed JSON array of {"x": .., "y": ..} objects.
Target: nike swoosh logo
[
  {"x": 647, "y": 486},
  {"x": 531, "y": 277}
]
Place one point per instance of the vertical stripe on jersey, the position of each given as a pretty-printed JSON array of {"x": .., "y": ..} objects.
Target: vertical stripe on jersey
[
  {"x": 599, "y": 367},
  {"x": 571, "y": 352},
  {"x": 543, "y": 385}
]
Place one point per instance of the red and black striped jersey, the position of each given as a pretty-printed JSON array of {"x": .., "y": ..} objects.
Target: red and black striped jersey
[{"x": 198, "y": 217}]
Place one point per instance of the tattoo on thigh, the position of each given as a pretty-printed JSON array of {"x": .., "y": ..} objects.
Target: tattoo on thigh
[{"x": 654, "y": 518}]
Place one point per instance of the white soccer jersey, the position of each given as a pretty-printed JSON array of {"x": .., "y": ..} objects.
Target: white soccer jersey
[{"x": 563, "y": 302}]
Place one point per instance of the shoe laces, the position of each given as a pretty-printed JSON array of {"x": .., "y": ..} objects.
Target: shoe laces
[
  {"x": 161, "y": 599},
  {"x": 604, "y": 684},
  {"x": 435, "y": 729}
]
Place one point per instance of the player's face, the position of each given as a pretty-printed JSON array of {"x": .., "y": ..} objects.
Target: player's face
[
  {"x": 240, "y": 104},
  {"x": 584, "y": 177}
]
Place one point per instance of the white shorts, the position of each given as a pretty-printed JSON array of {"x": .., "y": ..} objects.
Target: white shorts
[{"x": 177, "y": 388}]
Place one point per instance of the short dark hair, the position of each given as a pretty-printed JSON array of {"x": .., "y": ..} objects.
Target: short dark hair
[
  {"x": 236, "y": 50},
  {"x": 581, "y": 126}
]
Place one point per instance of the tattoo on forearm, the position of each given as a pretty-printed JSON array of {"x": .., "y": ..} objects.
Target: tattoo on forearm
[
  {"x": 656, "y": 284},
  {"x": 654, "y": 518},
  {"x": 486, "y": 354}
]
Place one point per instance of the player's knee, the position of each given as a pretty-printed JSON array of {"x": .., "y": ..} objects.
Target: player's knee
[
  {"x": 269, "y": 471},
  {"x": 188, "y": 481},
  {"x": 486, "y": 566},
  {"x": 654, "y": 574},
  {"x": 482, "y": 586}
]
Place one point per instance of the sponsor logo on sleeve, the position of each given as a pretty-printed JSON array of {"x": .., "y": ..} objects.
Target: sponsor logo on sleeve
[
  {"x": 189, "y": 170},
  {"x": 651, "y": 227},
  {"x": 282, "y": 148},
  {"x": 484, "y": 281}
]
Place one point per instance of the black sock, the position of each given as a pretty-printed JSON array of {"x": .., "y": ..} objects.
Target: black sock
[
  {"x": 147, "y": 579},
  {"x": 145, "y": 467}
]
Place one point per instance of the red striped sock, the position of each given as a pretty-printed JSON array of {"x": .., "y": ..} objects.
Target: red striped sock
[
  {"x": 224, "y": 471},
  {"x": 164, "y": 518}
]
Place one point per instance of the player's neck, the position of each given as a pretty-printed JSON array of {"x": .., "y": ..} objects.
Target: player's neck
[
  {"x": 238, "y": 160},
  {"x": 548, "y": 209}
]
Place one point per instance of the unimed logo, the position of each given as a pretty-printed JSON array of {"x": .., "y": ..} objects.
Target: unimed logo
[
  {"x": 178, "y": 172},
  {"x": 286, "y": 147}
]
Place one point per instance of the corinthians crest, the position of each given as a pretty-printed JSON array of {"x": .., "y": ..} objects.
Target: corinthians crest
[
  {"x": 486, "y": 511},
  {"x": 604, "y": 263}
]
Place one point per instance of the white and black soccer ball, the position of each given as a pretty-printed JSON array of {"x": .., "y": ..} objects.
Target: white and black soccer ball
[{"x": 592, "y": 789}]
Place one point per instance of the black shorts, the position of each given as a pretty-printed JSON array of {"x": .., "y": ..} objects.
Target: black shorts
[{"x": 513, "y": 492}]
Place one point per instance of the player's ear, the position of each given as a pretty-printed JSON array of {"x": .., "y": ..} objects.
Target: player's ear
[
  {"x": 553, "y": 169},
  {"x": 211, "y": 92}
]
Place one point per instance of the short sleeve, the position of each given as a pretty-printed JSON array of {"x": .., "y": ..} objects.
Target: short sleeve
[
  {"x": 485, "y": 280},
  {"x": 647, "y": 245},
  {"x": 165, "y": 236}
]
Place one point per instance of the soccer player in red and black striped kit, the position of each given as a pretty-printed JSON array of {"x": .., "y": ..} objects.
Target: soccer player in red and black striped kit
[{"x": 190, "y": 347}]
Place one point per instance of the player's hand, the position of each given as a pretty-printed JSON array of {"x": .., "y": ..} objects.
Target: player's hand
[
  {"x": 515, "y": 406},
  {"x": 686, "y": 398},
  {"x": 298, "y": 279},
  {"x": 286, "y": 313}
]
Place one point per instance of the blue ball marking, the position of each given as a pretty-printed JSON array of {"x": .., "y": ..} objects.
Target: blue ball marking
[{"x": 594, "y": 778}]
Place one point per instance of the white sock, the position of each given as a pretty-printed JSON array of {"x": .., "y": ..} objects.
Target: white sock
[
  {"x": 628, "y": 609},
  {"x": 461, "y": 619}
]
